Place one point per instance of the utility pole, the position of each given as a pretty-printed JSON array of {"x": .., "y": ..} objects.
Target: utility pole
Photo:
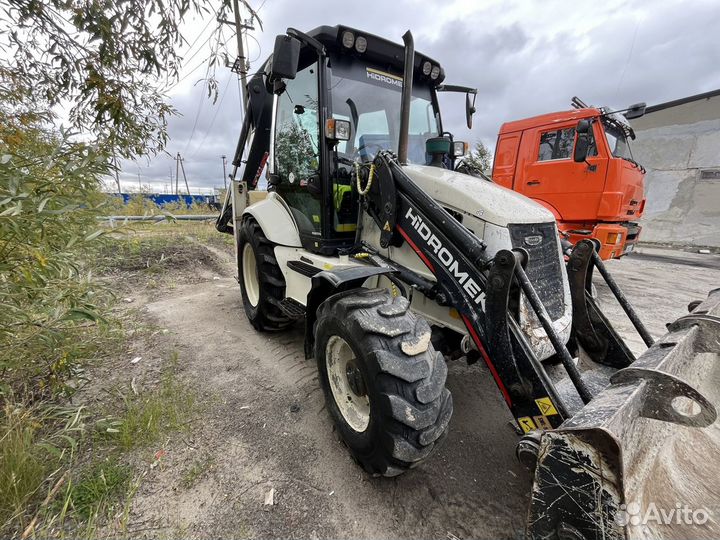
[
  {"x": 241, "y": 65},
  {"x": 239, "y": 31},
  {"x": 177, "y": 173},
  {"x": 224, "y": 158},
  {"x": 182, "y": 168}
]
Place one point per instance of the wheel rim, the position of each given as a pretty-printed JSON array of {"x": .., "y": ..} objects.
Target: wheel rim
[
  {"x": 347, "y": 384},
  {"x": 250, "y": 275}
]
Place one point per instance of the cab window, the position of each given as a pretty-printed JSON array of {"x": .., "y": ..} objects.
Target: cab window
[
  {"x": 559, "y": 144},
  {"x": 556, "y": 144},
  {"x": 296, "y": 152}
]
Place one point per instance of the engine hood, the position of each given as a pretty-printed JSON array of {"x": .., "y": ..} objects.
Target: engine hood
[{"x": 485, "y": 200}]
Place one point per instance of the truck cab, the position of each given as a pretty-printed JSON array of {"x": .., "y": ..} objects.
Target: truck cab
[{"x": 596, "y": 195}]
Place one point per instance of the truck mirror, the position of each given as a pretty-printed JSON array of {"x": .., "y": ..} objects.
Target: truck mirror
[
  {"x": 285, "y": 59},
  {"x": 635, "y": 111},
  {"x": 469, "y": 110},
  {"x": 583, "y": 126},
  {"x": 581, "y": 147}
]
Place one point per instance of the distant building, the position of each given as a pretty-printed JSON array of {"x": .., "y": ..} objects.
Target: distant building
[{"x": 678, "y": 142}]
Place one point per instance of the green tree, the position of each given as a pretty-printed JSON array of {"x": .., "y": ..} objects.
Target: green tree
[
  {"x": 105, "y": 63},
  {"x": 479, "y": 160},
  {"x": 104, "y": 67}
]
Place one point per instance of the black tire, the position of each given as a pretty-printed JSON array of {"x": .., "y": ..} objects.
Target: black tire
[
  {"x": 404, "y": 378},
  {"x": 266, "y": 314}
]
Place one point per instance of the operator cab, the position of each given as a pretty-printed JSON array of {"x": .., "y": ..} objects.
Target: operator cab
[{"x": 340, "y": 107}]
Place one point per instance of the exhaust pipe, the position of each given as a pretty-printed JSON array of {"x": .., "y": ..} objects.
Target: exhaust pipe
[{"x": 406, "y": 95}]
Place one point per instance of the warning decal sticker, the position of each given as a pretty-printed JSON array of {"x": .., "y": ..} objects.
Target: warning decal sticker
[
  {"x": 526, "y": 423},
  {"x": 546, "y": 406}
]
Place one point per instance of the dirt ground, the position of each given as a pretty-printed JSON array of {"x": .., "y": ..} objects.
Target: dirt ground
[{"x": 263, "y": 427}]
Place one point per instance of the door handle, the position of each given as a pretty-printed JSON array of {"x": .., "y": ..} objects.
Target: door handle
[{"x": 533, "y": 182}]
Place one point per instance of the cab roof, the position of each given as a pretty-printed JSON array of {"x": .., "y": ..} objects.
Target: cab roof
[
  {"x": 379, "y": 50},
  {"x": 549, "y": 119}
]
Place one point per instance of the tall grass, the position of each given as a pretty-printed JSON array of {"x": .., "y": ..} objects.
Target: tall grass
[
  {"x": 52, "y": 320},
  {"x": 48, "y": 305}
]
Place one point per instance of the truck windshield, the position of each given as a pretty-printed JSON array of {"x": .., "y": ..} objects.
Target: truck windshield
[
  {"x": 617, "y": 142},
  {"x": 369, "y": 98}
]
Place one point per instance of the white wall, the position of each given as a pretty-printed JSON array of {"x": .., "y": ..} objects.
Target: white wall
[{"x": 681, "y": 207}]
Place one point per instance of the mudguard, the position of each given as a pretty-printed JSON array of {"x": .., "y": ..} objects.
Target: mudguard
[
  {"x": 327, "y": 283},
  {"x": 276, "y": 221}
]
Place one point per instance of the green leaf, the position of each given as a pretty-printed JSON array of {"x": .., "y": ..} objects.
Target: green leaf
[
  {"x": 94, "y": 235},
  {"x": 42, "y": 204},
  {"x": 78, "y": 314}
]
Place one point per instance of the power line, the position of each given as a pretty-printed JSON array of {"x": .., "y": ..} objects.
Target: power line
[
  {"x": 627, "y": 62},
  {"x": 212, "y": 122},
  {"x": 193, "y": 70},
  {"x": 202, "y": 100},
  {"x": 259, "y": 55},
  {"x": 199, "y": 35}
]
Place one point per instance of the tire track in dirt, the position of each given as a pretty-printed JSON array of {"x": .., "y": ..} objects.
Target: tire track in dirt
[{"x": 254, "y": 382}]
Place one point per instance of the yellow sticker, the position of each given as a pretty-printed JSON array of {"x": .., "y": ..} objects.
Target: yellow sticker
[
  {"x": 316, "y": 218},
  {"x": 542, "y": 422},
  {"x": 387, "y": 226},
  {"x": 546, "y": 406},
  {"x": 526, "y": 423}
]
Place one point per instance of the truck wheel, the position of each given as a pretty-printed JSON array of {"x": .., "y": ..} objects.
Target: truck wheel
[
  {"x": 384, "y": 382},
  {"x": 261, "y": 281}
]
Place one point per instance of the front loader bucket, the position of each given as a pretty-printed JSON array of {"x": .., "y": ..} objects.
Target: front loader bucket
[{"x": 642, "y": 459}]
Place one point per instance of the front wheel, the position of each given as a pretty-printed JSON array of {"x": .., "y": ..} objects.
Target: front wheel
[
  {"x": 384, "y": 382},
  {"x": 261, "y": 280}
]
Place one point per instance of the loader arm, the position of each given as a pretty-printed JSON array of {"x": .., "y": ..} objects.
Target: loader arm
[
  {"x": 594, "y": 461},
  {"x": 465, "y": 276}
]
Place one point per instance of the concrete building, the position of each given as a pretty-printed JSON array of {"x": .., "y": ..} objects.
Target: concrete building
[{"x": 678, "y": 142}]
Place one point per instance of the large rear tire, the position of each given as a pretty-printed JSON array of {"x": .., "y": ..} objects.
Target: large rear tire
[
  {"x": 261, "y": 280},
  {"x": 384, "y": 382}
]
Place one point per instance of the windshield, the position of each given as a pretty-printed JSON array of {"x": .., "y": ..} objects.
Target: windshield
[
  {"x": 617, "y": 142},
  {"x": 369, "y": 98}
]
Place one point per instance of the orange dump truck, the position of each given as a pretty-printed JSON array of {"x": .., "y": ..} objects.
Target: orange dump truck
[{"x": 579, "y": 165}]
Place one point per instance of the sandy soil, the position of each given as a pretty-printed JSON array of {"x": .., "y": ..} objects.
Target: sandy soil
[{"x": 263, "y": 427}]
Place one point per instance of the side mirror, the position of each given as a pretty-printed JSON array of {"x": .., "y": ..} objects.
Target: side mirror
[
  {"x": 286, "y": 56},
  {"x": 469, "y": 109},
  {"x": 635, "y": 111},
  {"x": 581, "y": 148},
  {"x": 583, "y": 141}
]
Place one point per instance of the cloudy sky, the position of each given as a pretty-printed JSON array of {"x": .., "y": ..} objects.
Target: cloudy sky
[{"x": 524, "y": 57}]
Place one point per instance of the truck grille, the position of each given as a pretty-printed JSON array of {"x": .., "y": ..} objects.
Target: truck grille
[{"x": 540, "y": 240}]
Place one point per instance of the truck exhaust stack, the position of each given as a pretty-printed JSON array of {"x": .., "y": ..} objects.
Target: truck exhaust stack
[{"x": 406, "y": 96}]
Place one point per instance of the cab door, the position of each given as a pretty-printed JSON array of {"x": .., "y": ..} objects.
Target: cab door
[
  {"x": 551, "y": 176},
  {"x": 295, "y": 163}
]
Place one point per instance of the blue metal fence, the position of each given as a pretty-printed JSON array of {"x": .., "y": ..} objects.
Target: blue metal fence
[{"x": 165, "y": 198}]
